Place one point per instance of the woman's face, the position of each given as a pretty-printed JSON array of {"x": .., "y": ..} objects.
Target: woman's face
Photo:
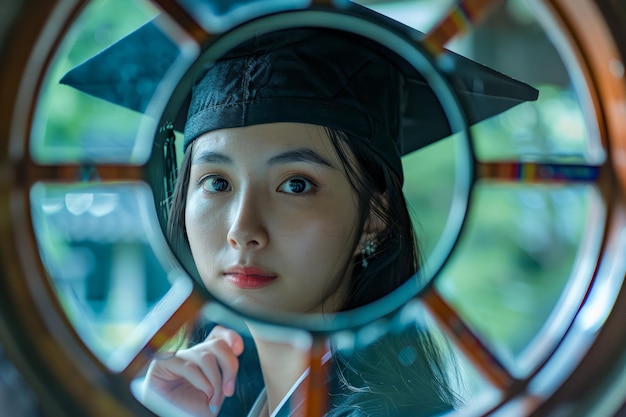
[{"x": 271, "y": 217}]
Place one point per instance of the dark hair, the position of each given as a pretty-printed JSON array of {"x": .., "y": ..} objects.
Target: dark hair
[
  {"x": 401, "y": 374},
  {"x": 379, "y": 193},
  {"x": 375, "y": 380},
  {"x": 367, "y": 382}
]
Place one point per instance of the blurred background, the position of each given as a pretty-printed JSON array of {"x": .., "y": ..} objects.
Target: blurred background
[{"x": 517, "y": 259}]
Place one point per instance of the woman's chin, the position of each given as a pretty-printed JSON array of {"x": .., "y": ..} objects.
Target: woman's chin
[{"x": 246, "y": 302}]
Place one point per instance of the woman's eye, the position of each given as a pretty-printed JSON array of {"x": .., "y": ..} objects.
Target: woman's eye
[
  {"x": 214, "y": 184},
  {"x": 296, "y": 186}
]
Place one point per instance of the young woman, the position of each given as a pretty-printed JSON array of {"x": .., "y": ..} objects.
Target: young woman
[
  {"x": 289, "y": 198},
  {"x": 277, "y": 215}
]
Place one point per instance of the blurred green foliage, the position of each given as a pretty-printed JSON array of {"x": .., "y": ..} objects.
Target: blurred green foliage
[{"x": 69, "y": 125}]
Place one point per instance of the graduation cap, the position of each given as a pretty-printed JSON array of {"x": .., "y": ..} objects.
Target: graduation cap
[{"x": 317, "y": 76}]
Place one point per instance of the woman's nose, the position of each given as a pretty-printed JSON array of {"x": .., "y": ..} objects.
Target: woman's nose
[{"x": 247, "y": 230}]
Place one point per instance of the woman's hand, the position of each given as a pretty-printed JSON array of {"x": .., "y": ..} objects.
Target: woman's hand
[{"x": 199, "y": 378}]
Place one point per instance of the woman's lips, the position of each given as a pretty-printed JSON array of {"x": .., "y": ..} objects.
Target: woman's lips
[{"x": 248, "y": 278}]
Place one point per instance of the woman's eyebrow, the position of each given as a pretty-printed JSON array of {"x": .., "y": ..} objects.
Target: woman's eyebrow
[
  {"x": 300, "y": 155},
  {"x": 208, "y": 157}
]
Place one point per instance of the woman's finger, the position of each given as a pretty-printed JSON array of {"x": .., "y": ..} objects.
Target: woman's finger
[
  {"x": 219, "y": 363},
  {"x": 214, "y": 373},
  {"x": 180, "y": 367},
  {"x": 209, "y": 367},
  {"x": 234, "y": 339}
]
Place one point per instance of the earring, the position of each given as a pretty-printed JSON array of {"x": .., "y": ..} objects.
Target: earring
[{"x": 367, "y": 251}]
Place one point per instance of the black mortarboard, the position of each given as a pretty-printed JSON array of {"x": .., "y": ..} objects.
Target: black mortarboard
[{"x": 312, "y": 76}]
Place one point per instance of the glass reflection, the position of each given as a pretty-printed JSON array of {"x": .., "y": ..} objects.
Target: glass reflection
[
  {"x": 110, "y": 271},
  {"x": 524, "y": 264},
  {"x": 275, "y": 164},
  {"x": 558, "y": 127}
]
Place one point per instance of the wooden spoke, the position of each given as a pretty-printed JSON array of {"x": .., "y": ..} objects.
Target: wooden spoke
[
  {"x": 458, "y": 20},
  {"x": 29, "y": 172},
  {"x": 310, "y": 399},
  {"x": 467, "y": 341},
  {"x": 185, "y": 313},
  {"x": 537, "y": 172},
  {"x": 317, "y": 390}
]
